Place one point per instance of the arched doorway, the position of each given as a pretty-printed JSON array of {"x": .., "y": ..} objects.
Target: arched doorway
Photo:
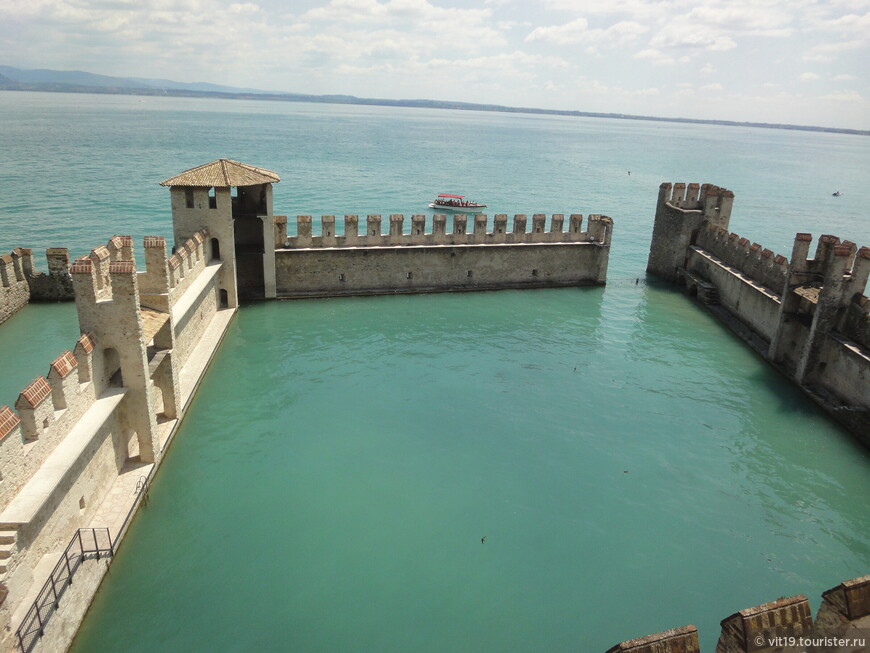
[{"x": 112, "y": 376}]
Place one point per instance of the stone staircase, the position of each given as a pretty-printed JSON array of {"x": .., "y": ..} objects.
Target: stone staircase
[
  {"x": 7, "y": 546},
  {"x": 708, "y": 294}
]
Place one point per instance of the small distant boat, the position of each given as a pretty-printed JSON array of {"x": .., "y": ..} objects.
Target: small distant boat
[
  {"x": 455, "y": 203},
  {"x": 836, "y": 193}
]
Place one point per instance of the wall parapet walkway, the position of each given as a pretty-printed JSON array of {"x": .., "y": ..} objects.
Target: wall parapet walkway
[{"x": 808, "y": 316}]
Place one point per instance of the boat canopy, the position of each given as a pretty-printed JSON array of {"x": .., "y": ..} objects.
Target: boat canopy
[{"x": 455, "y": 197}]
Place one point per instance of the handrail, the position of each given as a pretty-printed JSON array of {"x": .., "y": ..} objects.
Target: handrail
[{"x": 85, "y": 542}]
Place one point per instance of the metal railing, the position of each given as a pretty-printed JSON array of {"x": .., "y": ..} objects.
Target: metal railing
[{"x": 87, "y": 543}]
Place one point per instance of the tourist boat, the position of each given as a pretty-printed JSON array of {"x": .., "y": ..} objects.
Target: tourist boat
[{"x": 454, "y": 203}]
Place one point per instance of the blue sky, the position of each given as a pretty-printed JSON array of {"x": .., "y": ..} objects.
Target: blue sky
[{"x": 795, "y": 61}]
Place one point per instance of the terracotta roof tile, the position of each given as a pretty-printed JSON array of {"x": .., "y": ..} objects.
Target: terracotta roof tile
[
  {"x": 36, "y": 392},
  {"x": 101, "y": 253},
  {"x": 86, "y": 340},
  {"x": 64, "y": 364},
  {"x": 126, "y": 241},
  {"x": 223, "y": 173},
  {"x": 173, "y": 261},
  {"x": 122, "y": 267},
  {"x": 8, "y": 421},
  {"x": 81, "y": 265},
  {"x": 155, "y": 241}
]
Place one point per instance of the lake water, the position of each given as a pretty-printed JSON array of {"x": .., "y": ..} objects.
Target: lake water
[{"x": 633, "y": 466}]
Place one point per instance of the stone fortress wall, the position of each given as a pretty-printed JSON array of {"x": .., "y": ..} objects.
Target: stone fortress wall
[
  {"x": 370, "y": 263},
  {"x": 808, "y": 317},
  {"x": 844, "y": 614},
  {"x": 20, "y": 283},
  {"x": 82, "y": 439},
  {"x": 101, "y": 420}
]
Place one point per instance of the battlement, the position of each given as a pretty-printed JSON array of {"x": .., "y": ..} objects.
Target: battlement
[
  {"x": 844, "y": 609},
  {"x": 167, "y": 277},
  {"x": 807, "y": 315},
  {"x": 681, "y": 213},
  {"x": 47, "y": 408},
  {"x": 478, "y": 232},
  {"x": 712, "y": 201},
  {"x": 99, "y": 274},
  {"x": 758, "y": 263},
  {"x": 14, "y": 288}
]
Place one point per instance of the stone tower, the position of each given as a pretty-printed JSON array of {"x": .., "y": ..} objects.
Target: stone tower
[
  {"x": 234, "y": 202},
  {"x": 680, "y": 212}
]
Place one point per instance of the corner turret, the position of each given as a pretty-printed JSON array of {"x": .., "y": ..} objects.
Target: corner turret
[{"x": 680, "y": 212}]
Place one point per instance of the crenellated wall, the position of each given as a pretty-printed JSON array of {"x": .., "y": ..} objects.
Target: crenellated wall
[
  {"x": 110, "y": 402},
  {"x": 14, "y": 289},
  {"x": 843, "y": 614},
  {"x": 467, "y": 257},
  {"x": 21, "y": 283},
  {"x": 807, "y": 315},
  {"x": 58, "y": 457}
]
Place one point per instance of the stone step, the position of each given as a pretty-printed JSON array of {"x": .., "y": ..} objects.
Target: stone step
[{"x": 7, "y": 536}]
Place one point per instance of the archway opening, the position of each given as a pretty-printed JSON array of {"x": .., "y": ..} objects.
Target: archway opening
[{"x": 112, "y": 376}]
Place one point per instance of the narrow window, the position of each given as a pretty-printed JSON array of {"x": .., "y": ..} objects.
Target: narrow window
[
  {"x": 468, "y": 274},
  {"x": 188, "y": 198},
  {"x": 409, "y": 275},
  {"x": 341, "y": 277},
  {"x": 535, "y": 272}
]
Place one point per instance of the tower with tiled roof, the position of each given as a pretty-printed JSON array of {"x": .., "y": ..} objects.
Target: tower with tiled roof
[{"x": 234, "y": 202}]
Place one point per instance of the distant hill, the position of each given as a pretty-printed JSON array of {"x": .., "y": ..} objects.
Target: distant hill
[
  {"x": 76, "y": 81},
  {"x": 80, "y": 78}
]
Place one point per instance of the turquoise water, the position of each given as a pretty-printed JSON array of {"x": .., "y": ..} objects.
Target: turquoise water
[{"x": 632, "y": 466}]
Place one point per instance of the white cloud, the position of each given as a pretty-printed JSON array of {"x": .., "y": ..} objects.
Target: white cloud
[
  {"x": 560, "y": 34},
  {"x": 809, "y": 77},
  {"x": 712, "y": 87},
  {"x": 843, "y": 77},
  {"x": 655, "y": 56},
  {"x": 577, "y": 32},
  {"x": 827, "y": 52},
  {"x": 675, "y": 37},
  {"x": 844, "y": 96}
]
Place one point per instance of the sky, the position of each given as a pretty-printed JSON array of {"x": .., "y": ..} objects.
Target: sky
[{"x": 800, "y": 62}]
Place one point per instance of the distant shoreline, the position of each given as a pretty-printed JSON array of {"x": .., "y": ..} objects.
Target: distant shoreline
[{"x": 54, "y": 87}]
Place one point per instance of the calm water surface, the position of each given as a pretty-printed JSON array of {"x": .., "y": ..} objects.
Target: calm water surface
[{"x": 632, "y": 466}]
